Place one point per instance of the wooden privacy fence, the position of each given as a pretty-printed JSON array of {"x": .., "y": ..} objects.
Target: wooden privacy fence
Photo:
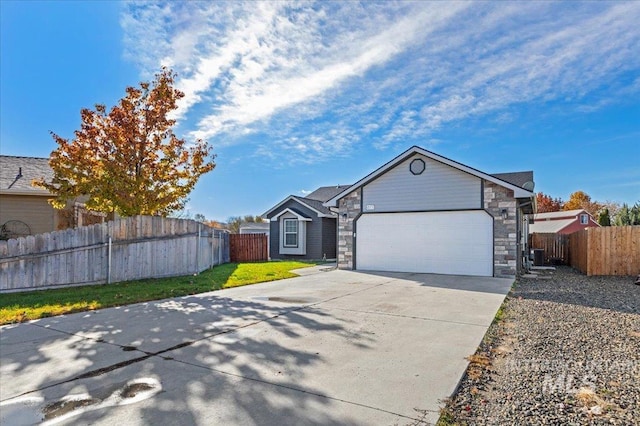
[
  {"x": 127, "y": 249},
  {"x": 610, "y": 250},
  {"x": 248, "y": 247},
  {"x": 555, "y": 246}
]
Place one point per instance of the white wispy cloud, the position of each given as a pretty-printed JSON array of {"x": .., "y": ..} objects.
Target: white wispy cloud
[{"x": 319, "y": 78}]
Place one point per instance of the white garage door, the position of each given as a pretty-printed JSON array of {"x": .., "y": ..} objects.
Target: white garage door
[{"x": 457, "y": 243}]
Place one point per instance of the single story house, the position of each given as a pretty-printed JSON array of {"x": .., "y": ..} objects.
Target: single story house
[
  {"x": 25, "y": 209},
  {"x": 562, "y": 222},
  {"x": 425, "y": 213},
  {"x": 21, "y": 204},
  {"x": 302, "y": 227}
]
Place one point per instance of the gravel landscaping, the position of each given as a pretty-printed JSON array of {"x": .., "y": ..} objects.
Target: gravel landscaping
[{"x": 565, "y": 350}]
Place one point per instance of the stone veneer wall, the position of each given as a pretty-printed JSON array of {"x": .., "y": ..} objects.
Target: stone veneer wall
[
  {"x": 350, "y": 205},
  {"x": 505, "y": 232}
]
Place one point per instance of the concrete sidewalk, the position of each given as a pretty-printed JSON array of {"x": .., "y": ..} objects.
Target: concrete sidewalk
[{"x": 335, "y": 347}]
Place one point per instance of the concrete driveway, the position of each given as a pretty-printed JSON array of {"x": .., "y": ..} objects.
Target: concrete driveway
[{"x": 336, "y": 347}]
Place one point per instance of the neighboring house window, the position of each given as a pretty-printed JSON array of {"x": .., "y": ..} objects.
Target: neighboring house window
[
  {"x": 291, "y": 233},
  {"x": 584, "y": 219}
]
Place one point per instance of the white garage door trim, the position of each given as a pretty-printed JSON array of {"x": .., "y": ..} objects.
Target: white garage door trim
[{"x": 451, "y": 242}]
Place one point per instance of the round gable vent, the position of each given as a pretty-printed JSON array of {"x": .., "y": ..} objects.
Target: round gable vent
[{"x": 417, "y": 166}]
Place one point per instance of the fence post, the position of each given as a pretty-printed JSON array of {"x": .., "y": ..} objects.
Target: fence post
[
  {"x": 220, "y": 243},
  {"x": 213, "y": 238},
  {"x": 198, "y": 251},
  {"x": 109, "y": 261}
]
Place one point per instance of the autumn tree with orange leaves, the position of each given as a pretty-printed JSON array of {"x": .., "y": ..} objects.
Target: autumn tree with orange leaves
[
  {"x": 546, "y": 203},
  {"x": 128, "y": 160},
  {"x": 581, "y": 200}
]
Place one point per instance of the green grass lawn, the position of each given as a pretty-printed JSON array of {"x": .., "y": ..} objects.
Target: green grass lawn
[{"x": 25, "y": 306}]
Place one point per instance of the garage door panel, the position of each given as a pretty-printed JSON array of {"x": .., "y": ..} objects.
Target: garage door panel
[{"x": 458, "y": 243}]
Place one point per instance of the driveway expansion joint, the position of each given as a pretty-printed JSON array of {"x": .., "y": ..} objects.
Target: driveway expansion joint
[{"x": 403, "y": 316}]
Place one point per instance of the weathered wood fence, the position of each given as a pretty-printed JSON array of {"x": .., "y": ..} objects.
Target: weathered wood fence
[
  {"x": 249, "y": 247},
  {"x": 610, "y": 250},
  {"x": 555, "y": 246},
  {"x": 126, "y": 249}
]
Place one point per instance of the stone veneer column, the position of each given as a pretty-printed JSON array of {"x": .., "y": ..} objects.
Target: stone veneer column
[
  {"x": 350, "y": 205},
  {"x": 505, "y": 246}
]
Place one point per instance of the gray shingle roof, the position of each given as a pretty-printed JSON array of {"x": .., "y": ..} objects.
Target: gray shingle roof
[
  {"x": 515, "y": 178},
  {"x": 325, "y": 193},
  {"x": 32, "y": 168},
  {"x": 316, "y": 204}
]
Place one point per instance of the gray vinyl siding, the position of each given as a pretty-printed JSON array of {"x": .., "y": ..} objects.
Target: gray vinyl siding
[
  {"x": 439, "y": 187},
  {"x": 314, "y": 234},
  {"x": 329, "y": 237}
]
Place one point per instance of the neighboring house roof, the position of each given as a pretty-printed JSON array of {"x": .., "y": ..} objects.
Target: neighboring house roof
[
  {"x": 516, "y": 178},
  {"x": 559, "y": 215},
  {"x": 325, "y": 193},
  {"x": 518, "y": 191},
  {"x": 550, "y": 226},
  {"x": 17, "y": 173}
]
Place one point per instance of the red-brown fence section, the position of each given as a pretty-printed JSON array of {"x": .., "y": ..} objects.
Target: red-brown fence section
[
  {"x": 248, "y": 247},
  {"x": 609, "y": 250}
]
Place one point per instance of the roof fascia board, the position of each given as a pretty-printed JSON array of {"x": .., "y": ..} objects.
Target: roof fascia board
[
  {"x": 288, "y": 210},
  {"x": 36, "y": 193}
]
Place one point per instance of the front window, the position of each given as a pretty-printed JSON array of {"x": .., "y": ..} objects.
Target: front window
[
  {"x": 291, "y": 233},
  {"x": 584, "y": 219}
]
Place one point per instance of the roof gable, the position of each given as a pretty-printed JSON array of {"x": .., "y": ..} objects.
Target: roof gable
[
  {"x": 519, "y": 192},
  {"x": 297, "y": 214},
  {"x": 313, "y": 205}
]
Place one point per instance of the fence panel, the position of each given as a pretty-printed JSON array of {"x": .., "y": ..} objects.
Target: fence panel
[
  {"x": 609, "y": 250},
  {"x": 578, "y": 251},
  {"x": 141, "y": 247},
  {"x": 248, "y": 247},
  {"x": 556, "y": 247}
]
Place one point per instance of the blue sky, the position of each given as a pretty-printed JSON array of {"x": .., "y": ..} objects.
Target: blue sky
[{"x": 293, "y": 96}]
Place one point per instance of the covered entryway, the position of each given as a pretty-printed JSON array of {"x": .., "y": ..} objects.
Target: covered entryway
[{"x": 453, "y": 242}]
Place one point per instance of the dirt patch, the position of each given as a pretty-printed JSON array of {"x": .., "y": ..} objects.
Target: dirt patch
[
  {"x": 60, "y": 408},
  {"x": 134, "y": 389}
]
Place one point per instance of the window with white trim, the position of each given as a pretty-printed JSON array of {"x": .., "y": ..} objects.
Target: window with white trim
[
  {"x": 584, "y": 219},
  {"x": 291, "y": 233}
]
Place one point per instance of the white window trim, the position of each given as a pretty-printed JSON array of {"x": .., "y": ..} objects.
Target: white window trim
[
  {"x": 301, "y": 248},
  {"x": 584, "y": 219},
  {"x": 285, "y": 233}
]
